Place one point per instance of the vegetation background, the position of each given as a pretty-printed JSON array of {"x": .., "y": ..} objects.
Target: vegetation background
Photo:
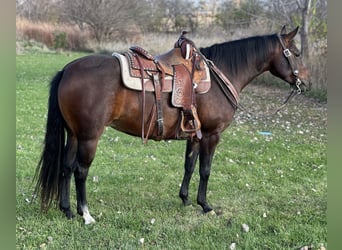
[
  {"x": 108, "y": 25},
  {"x": 279, "y": 190}
]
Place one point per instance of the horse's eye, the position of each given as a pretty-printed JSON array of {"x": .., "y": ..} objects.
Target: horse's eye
[{"x": 296, "y": 53}]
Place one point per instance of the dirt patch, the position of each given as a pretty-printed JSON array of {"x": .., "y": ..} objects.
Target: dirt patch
[{"x": 260, "y": 102}]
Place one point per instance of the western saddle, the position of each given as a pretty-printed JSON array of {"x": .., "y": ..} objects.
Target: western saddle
[{"x": 184, "y": 65}]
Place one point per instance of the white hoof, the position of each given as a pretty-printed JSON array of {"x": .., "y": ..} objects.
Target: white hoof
[{"x": 88, "y": 219}]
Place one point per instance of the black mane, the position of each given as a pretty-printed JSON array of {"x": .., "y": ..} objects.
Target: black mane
[{"x": 241, "y": 54}]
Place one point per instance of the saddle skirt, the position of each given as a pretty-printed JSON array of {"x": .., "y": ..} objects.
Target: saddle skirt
[{"x": 131, "y": 70}]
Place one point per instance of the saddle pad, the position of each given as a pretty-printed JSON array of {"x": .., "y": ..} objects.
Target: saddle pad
[{"x": 135, "y": 82}]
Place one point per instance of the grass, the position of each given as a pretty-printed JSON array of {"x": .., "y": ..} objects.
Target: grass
[{"x": 276, "y": 184}]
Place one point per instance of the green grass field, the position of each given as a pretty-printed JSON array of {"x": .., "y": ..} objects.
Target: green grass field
[{"x": 277, "y": 184}]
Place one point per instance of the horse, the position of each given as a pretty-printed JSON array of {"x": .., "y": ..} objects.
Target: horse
[{"x": 88, "y": 95}]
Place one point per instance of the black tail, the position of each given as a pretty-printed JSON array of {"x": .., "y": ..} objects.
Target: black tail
[{"x": 49, "y": 166}]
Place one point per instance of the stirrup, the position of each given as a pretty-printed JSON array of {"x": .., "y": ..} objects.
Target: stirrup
[{"x": 196, "y": 124}]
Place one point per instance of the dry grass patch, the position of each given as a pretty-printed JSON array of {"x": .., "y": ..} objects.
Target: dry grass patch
[{"x": 54, "y": 36}]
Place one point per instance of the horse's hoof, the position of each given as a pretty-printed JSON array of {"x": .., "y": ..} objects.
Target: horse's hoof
[
  {"x": 187, "y": 203},
  {"x": 88, "y": 219},
  {"x": 70, "y": 215}
]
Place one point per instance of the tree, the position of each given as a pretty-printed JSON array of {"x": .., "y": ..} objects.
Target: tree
[
  {"x": 305, "y": 13},
  {"x": 154, "y": 22},
  {"x": 106, "y": 18},
  {"x": 38, "y": 10},
  {"x": 239, "y": 14},
  {"x": 178, "y": 15},
  {"x": 310, "y": 15}
]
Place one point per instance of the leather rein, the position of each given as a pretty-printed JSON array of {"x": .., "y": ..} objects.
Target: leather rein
[{"x": 231, "y": 93}]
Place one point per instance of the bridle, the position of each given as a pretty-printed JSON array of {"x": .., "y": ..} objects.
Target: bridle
[
  {"x": 232, "y": 95},
  {"x": 293, "y": 65},
  {"x": 296, "y": 90}
]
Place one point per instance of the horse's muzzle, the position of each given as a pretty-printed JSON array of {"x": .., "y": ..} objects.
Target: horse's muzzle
[
  {"x": 305, "y": 86},
  {"x": 302, "y": 85}
]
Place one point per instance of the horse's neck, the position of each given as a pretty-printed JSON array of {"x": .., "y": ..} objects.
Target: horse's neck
[
  {"x": 243, "y": 72},
  {"x": 245, "y": 75}
]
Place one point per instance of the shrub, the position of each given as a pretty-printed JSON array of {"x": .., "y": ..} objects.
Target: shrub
[
  {"x": 60, "y": 40},
  {"x": 52, "y": 35}
]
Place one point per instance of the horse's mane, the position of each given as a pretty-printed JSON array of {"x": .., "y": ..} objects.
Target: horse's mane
[{"x": 241, "y": 54}]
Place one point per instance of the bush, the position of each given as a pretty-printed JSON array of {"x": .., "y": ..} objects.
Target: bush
[
  {"x": 53, "y": 36},
  {"x": 60, "y": 41}
]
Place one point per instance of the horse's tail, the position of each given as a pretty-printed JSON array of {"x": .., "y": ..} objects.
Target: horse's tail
[{"x": 51, "y": 161}]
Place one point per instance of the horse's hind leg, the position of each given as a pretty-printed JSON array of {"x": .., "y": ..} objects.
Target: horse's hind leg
[
  {"x": 65, "y": 175},
  {"x": 85, "y": 156},
  {"x": 191, "y": 155}
]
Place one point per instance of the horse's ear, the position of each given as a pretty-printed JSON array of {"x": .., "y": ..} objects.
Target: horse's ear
[
  {"x": 283, "y": 30},
  {"x": 292, "y": 34}
]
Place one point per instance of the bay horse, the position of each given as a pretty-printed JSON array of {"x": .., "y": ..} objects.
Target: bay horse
[{"x": 88, "y": 94}]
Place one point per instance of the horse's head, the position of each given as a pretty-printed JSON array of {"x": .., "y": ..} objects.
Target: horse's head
[{"x": 288, "y": 64}]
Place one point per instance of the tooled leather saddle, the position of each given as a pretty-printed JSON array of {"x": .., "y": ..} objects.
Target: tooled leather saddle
[{"x": 180, "y": 71}]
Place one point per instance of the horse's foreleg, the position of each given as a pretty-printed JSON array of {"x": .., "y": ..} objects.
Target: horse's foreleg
[
  {"x": 86, "y": 154},
  {"x": 65, "y": 176},
  {"x": 191, "y": 155},
  {"x": 207, "y": 149}
]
